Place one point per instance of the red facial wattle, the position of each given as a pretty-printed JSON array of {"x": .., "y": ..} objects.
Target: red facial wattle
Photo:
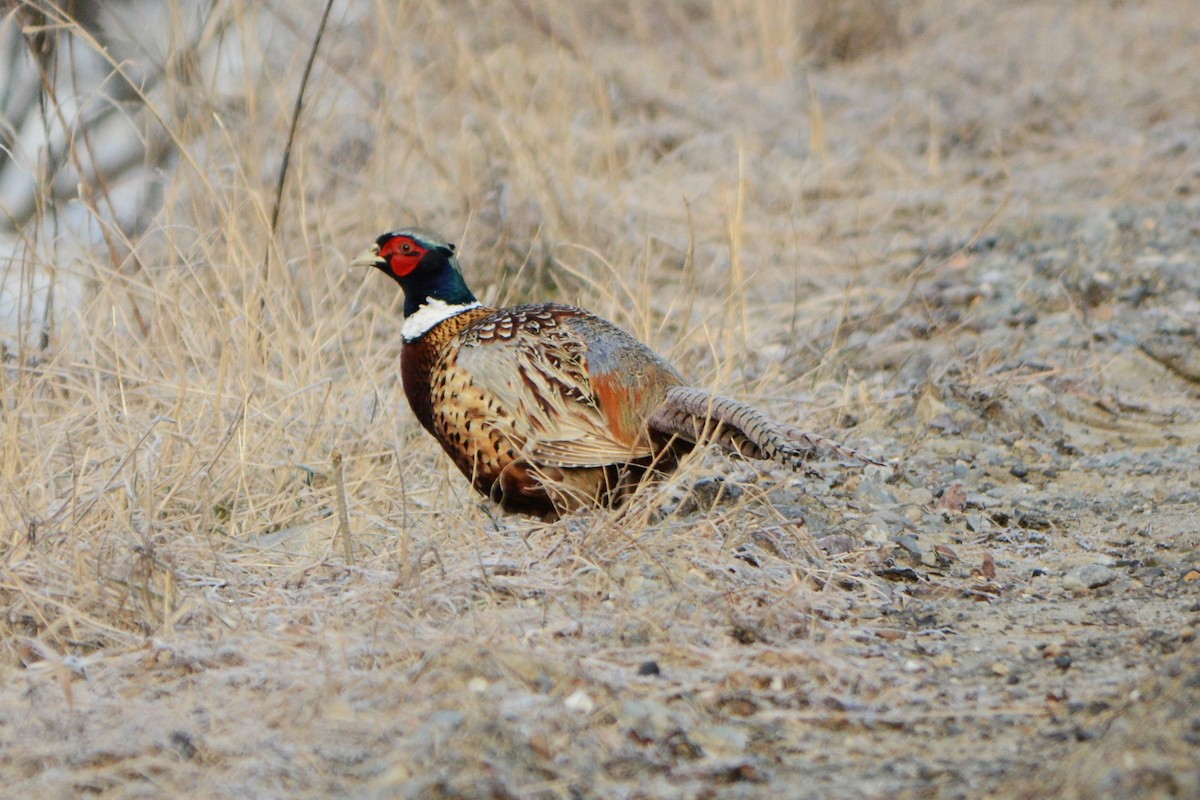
[{"x": 402, "y": 255}]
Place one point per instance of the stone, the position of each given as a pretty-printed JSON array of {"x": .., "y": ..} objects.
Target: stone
[{"x": 1088, "y": 576}]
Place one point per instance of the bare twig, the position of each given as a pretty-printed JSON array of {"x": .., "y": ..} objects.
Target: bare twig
[
  {"x": 343, "y": 512},
  {"x": 287, "y": 151}
]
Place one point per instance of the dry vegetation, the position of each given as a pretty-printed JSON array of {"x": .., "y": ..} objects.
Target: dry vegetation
[{"x": 961, "y": 235}]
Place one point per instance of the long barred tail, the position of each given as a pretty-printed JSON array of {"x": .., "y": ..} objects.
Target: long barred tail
[{"x": 696, "y": 415}]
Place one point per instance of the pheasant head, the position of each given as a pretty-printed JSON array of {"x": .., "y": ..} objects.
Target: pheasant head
[{"x": 427, "y": 270}]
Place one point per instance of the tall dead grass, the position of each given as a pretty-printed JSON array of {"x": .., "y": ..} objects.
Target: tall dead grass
[{"x": 184, "y": 411}]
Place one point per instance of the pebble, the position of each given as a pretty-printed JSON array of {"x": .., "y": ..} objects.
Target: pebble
[
  {"x": 921, "y": 496},
  {"x": 910, "y": 544},
  {"x": 708, "y": 493},
  {"x": 874, "y": 534},
  {"x": 992, "y": 456},
  {"x": 876, "y": 493},
  {"x": 1088, "y": 576},
  {"x": 648, "y": 720},
  {"x": 835, "y": 544},
  {"x": 580, "y": 701},
  {"x": 891, "y": 520}
]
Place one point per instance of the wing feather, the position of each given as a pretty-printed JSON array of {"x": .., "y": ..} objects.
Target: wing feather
[{"x": 545, "y": 385}]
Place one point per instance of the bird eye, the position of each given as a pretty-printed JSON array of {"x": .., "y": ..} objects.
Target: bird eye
[{"x": 406, "y": 248}]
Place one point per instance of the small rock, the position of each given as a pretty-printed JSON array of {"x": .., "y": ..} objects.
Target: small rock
[
  {"x": 648, "y": 720},
  {"x": 944, "y": 554},
  {"x": 910, "y": 544},
  {"x": 992, "y": 456},
  {"x": 876, "y": 493},
  {"x": 954, "y": 498},
  {"x": 1088, "y": 576},
  {"x": 921, "y": 496},
  {"x": 889, "y": 519},
  {"x": 1051, "y": 650},
  {"x": 873, "y": 534},
  {"x": 707, "y": 494},
  {"x": 835, "y": 544},
  {"x": 581, "y": 702}
]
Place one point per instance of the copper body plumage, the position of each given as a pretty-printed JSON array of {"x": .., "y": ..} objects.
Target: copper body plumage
[{"x": 548, "y": 408}]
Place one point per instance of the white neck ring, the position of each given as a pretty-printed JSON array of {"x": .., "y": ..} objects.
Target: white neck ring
[{"x": 431, "y": 313}]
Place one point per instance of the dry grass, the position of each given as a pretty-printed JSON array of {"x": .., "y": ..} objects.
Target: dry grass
[{"x": 179, "y": 616}]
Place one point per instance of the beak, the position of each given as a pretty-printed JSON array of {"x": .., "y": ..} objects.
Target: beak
[{"x": 368, "y": 258}]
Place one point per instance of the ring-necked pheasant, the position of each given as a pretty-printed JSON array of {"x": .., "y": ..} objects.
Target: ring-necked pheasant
[{"x": 546, "y": 408}]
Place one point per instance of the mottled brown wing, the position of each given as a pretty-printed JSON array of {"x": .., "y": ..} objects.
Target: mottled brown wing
[{"x": 577, "y": 388}]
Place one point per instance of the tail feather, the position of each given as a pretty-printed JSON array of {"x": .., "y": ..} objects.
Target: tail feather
[
  {"x": 696, "y": 415},
  {"x": 818, "y": 444}
]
